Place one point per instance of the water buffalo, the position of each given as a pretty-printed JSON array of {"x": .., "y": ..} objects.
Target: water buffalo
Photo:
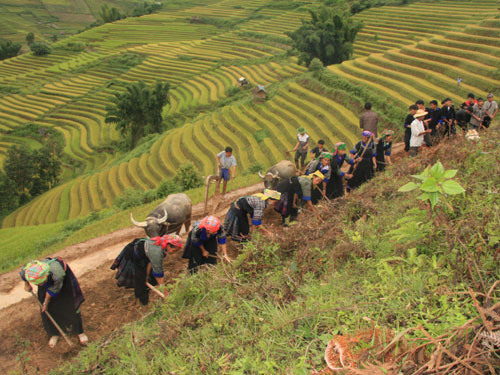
[
  {"x": 282, "y": 170},
  {"x": 168, "y": 217}
]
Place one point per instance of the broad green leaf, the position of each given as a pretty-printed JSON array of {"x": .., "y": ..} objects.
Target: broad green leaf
[
  {"x": 430, "y": 185},
  {"x": 450, "y": 173},
  {"x": 421, "y": 177},
  {"x": 424, "y": 196},
  {"x": 408, "y": 187},
  {"x": 437, "y": 170},
  {"x": 452, "y": 188},
  {"x": 433, "y": 198}
]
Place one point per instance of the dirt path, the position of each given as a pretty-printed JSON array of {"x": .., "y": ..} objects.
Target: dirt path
[{"x": 106, "y": 308}]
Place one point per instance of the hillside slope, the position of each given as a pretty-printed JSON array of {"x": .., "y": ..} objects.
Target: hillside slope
[
  {"x": 71, "y": 88},
  {"x": 277, "y": 306}
]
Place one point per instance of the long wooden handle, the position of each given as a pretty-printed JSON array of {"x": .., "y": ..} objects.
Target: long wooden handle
[
  {"x": 363, "y": 153},
  {"x": 53, "y": 321},
  {"x": 155, "y": 290}
]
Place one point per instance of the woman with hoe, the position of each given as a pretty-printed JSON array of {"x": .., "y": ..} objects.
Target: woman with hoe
[
  {"x": 140, "y": 264},
  {"x": 59, "y": 295}
]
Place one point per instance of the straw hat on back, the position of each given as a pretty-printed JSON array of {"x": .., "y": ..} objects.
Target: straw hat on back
[{"x": 420, "y": 113}]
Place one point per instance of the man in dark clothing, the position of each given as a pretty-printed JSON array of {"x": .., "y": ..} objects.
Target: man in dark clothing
[
  {"x": 408, "y": 120},
  {"x": 448, "y": 111},
  {"x": 427, "y": 119},
  {"x": 463, "y": 117},
  {"x": 316, "y": 151},
  {"x": 369, "y": 120},
  {"x": 469, "y": 102},
  {"x": 436, "y": 118}
]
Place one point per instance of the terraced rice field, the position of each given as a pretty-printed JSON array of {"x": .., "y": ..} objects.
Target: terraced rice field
[{"x": 396, "y": 58}]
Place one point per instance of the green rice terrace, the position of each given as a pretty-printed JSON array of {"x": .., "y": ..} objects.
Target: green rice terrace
[{"x": 68, "y": 90}]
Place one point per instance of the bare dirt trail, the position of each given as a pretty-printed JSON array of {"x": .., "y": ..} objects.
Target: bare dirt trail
[{"x": 106, "y": 308}]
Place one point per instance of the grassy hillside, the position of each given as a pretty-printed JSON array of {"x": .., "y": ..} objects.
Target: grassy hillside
[
  {"x": 366, "y": 267},
  {"x": 46, "y": 18},
  {"x": 69, "y": 89}
]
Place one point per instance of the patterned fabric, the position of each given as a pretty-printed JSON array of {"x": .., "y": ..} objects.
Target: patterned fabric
[
  {"x": 326, "y": 155},
  {"x": 387, "y": 133},
  {"x": 258, "y": 206},
  {"x": 339, "y": 146},
  {"x": 210, "y": 223},
  {"x": 36, "y": 272},
  {"x": 366, "y": 133},
  {"x": 317, "y": 174},
  {"x": 272, "y": 194},
  {"x": 163, "y": 241},
  {"x": 198, "y": 234}
]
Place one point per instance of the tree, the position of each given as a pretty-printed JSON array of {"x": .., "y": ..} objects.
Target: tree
[
  {"x": 137, "y": 112},
  {"x": 30, "y": 38},
  {"x": 19, "y": 168},
  {"x": 46, "y": 169},
  {"x": 39, "y": 49},
  {"x": 327, "y": 36},
  {"x": 9, "y": 199},
  {"x": 8, "y": 49},
  {"x": 108, "y": 14}
]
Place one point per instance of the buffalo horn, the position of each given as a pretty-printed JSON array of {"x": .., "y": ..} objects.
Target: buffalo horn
[
  {"x": 261, "y": 175},
  {"x": 162, "y": 220},
  {"x": 140, "y": 224}
]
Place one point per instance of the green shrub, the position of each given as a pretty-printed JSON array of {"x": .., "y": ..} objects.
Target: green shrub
[
  {"x": 188, "y": 177},
  {"x": 40, "y": 49},
  {"x": 8, "y": 49},
  {"x": 233, "y": 90},
  {"x": 131, "y": 198},
  {"x": 167, "y": 187},
  {"x": 252, "y": 169},
  {"x": 73, "y": 46},
  {"x": 316, "y": 65},
  {"x": 261, "y": 134}
]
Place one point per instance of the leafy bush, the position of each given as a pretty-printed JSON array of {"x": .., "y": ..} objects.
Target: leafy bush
[
  {"x": 131, "y": 198},
  {"x": 8, "y": 49},
  {"x": 166, "y": 187},
  {"x": 40, "y": 49},
  {"x": 233, "y": 90},
  {"x": 73, "y": 46},
  {"x": 316, "y": 65},
  {"x": 188, "y": 177},
  {"x": 261, "y": 134},
  {"x": 252, "y": 169}
]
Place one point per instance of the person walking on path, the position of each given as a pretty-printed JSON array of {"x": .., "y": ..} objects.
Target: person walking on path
[
  {"x": 237, "y": 224},
  {"x": 384, "y": 150},
  {"x": 226, "y": 163},
  {"x": 141, "y": 262},
  {"x": 407, "y": 125},
  {"x": 418, "y": 132},
  {"x": 203, "y": 241},
  {"x": 463, "y": 117},
  {"x": 421, "y": 106},
  {"x": 59, "y": 294},
  {"x": 369, "y": 120},
  {"x": 301, "y": 147},
  {"x": 490, "y": 110}
]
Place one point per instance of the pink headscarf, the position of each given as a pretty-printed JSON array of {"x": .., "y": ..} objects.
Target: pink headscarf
[{"x": 210, "y": 223}]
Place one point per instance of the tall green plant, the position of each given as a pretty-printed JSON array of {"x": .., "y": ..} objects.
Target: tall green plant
[
  {"x": 327, "y": 36},
  {"x": 137, "y": 112},
  {"x": 435, "y": 184}
]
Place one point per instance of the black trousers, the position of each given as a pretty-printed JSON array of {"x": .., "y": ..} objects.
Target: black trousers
[{"x": 196, "y": 258}]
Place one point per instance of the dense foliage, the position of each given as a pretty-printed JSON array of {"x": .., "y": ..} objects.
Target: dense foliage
[
  {"x": 8, "y": 49},
  {"x": 108, "y": 14},
  {"x": 328, "y": 36},
  {"x": 138, "y": 111},
  {"x": 39, "y": 48}
]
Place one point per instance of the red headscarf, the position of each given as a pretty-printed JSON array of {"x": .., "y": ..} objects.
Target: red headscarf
[{"x": 163, "y": 241}]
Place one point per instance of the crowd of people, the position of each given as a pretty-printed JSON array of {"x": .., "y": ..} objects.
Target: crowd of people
[{"x": 140, "y": 263}]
